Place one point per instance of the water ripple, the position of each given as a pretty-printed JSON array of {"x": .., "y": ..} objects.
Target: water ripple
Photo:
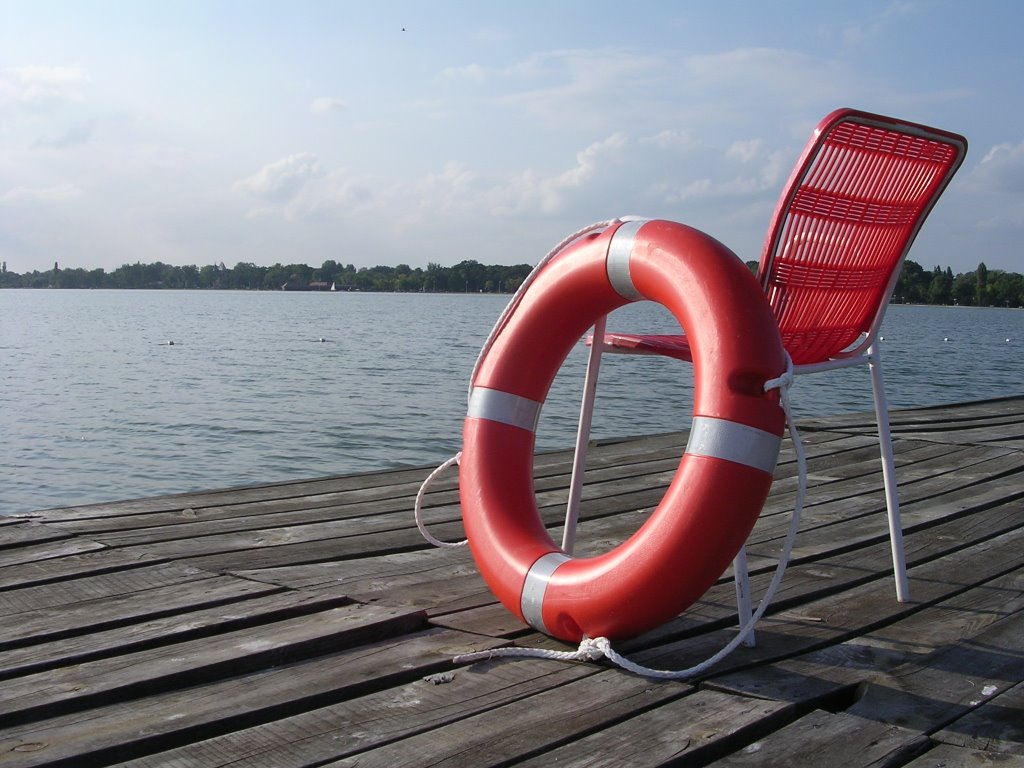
[{"x": 98, "y": 407}]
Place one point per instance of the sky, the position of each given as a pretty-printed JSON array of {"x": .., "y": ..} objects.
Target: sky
[{"x": 385, "y": 133}]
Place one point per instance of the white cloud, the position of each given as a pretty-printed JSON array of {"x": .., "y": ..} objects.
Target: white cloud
[
  {"x": 282, "y": 180},
  {"x": 39, "y": 85},
  {"x": 535, "y": 192},
  {"x": 492, "y": 34},
  {"x": 58, "y": 193},
  {"x": 472, "y": 72},
  {"x": 767, "y": 177},
  {"x": 768, "y": 73},
  {"x": 696, "y": 189},
  {"x": 327, "y": 104},
  {"x": 77, "y": 133},
  {"x": 744, "y": 151},
  {"x": 858, "y": 34},
  {"x": 578, "y": 84},
  {"x": 672, "y": 139},
  {"x": 587, "y": 162},
  {"x": 298, "y": 187},
  {"x": 1001, "y": 170}
]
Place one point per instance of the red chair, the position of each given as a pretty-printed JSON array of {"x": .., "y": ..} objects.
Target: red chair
[{"x": 841, "y": 229}]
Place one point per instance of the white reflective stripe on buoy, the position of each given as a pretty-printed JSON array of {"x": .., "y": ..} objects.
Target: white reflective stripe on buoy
[
  {"x": 495, "y": 405},
  {"x": 732, "y": 441},
  {"x": 537, "y": 578},
  {"x": 617, "y": 261}
]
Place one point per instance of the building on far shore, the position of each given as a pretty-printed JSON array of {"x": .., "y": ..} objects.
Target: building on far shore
[{"x": 317, "y": 285}]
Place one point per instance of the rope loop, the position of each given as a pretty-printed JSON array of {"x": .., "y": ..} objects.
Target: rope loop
[{"x": 418, "y": 509}]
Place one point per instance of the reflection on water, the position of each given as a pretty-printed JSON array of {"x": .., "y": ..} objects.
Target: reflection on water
[{"x": 98, "y": 406}]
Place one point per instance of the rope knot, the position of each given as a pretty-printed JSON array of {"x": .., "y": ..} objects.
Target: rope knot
[
  {"x": 593, "y": 649},
  {"x": 784, "y": 381}
]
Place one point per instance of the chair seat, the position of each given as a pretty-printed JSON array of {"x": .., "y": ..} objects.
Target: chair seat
[{"x": 648, "y": 344}]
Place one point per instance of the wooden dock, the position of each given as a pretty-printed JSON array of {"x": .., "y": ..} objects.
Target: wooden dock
[{"x": 308, "y": 624}]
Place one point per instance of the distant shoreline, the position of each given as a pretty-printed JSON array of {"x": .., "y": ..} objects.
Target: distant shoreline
[
  {"x": 261, "y": 290},
  {"x": 405, "y": 293}
]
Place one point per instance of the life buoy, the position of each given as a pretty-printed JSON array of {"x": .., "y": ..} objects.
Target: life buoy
[{"x": 723, "y": 477}]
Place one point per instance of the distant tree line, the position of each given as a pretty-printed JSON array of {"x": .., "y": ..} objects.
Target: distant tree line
[
  {"x": 464, "y": 277},
  {"x": 980, "y": 287}
]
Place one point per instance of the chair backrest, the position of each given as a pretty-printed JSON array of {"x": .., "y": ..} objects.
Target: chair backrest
[{"x": 846, "y": 219}]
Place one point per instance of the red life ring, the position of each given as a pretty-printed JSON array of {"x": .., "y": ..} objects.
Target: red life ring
[{"x": 723, "y": 477}]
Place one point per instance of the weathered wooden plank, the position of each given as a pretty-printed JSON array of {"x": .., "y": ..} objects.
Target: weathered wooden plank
[
  {"x": 823, "y": 738},
  {"x": 94, "y": 586},
  {"x": 949, "y": 756},
  {"x": 924, "y": 695},
  {"x": 915, "y": 672},
  {"x": 123, "y": 730},
  {"x": 915, "y": 463},
  {"x": 492, "y": 619},
  {"x": 952, "y": 414},
  {"x": 85, "y": 616},
  {"x": 60, "y": 569},
  {"x": 925, "y": 458},
  {"x": 358, "y": 724},
  {"x": 164, "y": 630},
  {"x": 523, "y": 728},
  {"x": 694, "y": 730},
  {"x": 318, "y": 550},
  {"x": 47, "y": 550},
  {"x": 844, "y": 615},
  {"x": 437, "y": 581},
  {"x": 959, "y": 618},
  {"x": 922, "y": 503},
  {"x": 55, "y": 692},
  {"x": 398, "y": 570},
  {"x": 997, "y": 725},
  {"x": 15, "y": 532}
]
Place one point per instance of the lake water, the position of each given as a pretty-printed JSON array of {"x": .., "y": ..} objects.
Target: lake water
[{"x": 97, "y": 406}]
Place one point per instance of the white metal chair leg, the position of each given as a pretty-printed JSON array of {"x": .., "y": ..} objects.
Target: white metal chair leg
[
  {"x": 899, "y": 562},
  {"x": 744, "y": 606},
  {"x": 579, "y": 460}
]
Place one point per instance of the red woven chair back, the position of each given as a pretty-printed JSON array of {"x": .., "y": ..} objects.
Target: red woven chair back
[{"x": 846, "y": 219}]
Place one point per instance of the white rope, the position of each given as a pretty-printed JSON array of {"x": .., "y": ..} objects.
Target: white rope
[
  {"x": 589, "y": 650},
  {"x": 592, "y": 649},
  {"x": 418, "y": 509}
]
